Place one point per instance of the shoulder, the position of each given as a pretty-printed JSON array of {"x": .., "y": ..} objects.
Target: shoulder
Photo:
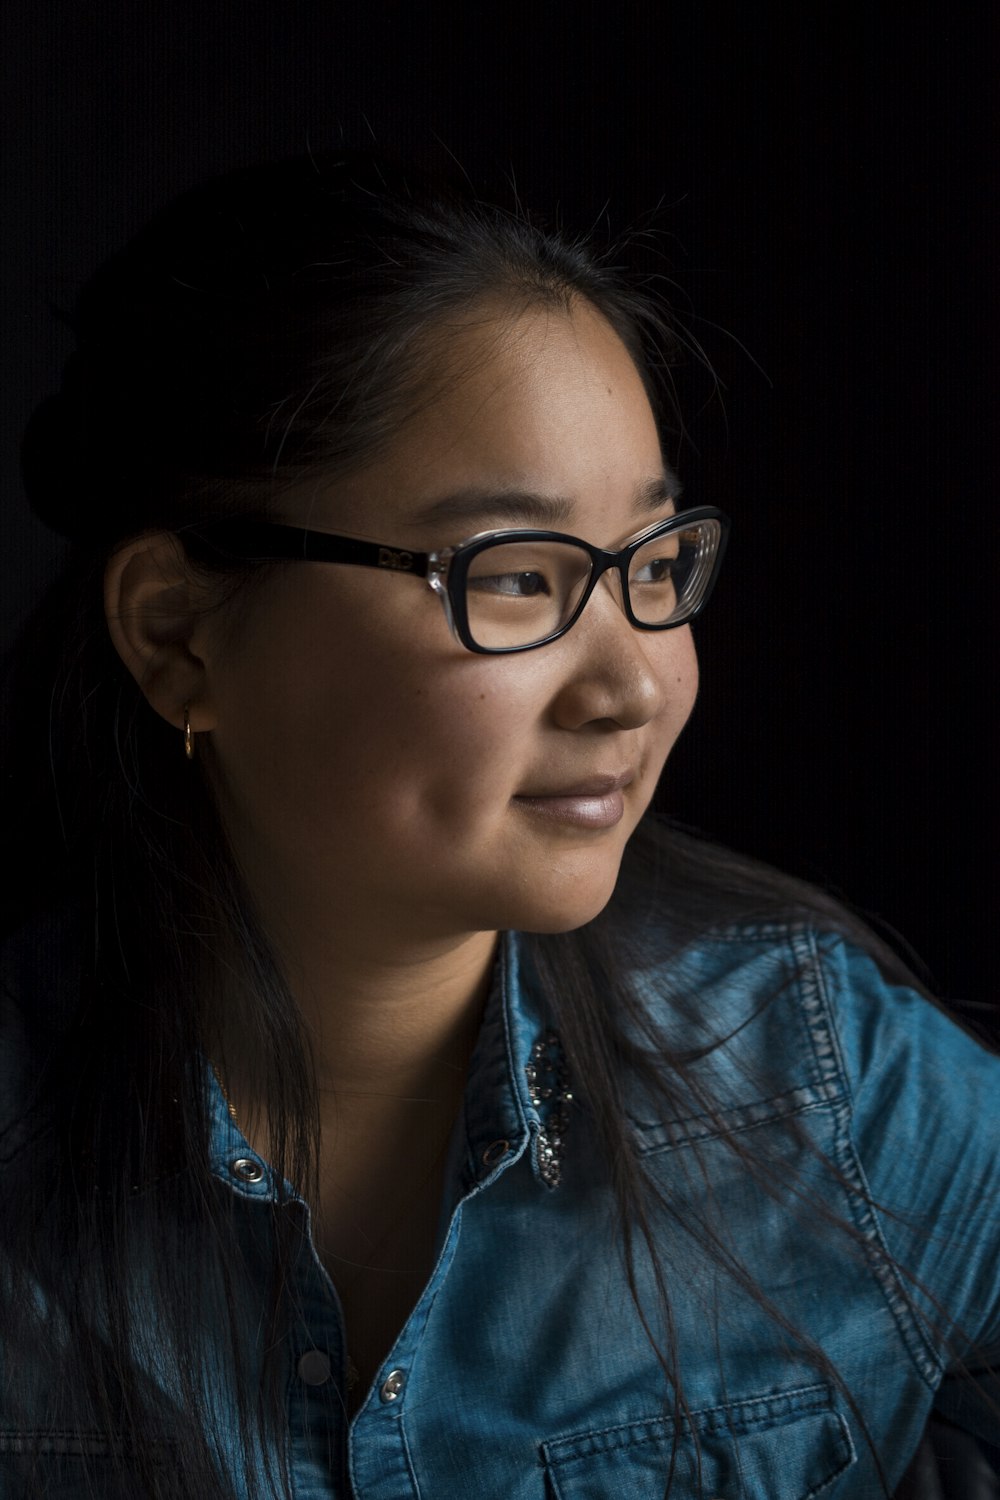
[
  {"x": 806, "y": 998},
  {"x": 789, "y": 1020}
]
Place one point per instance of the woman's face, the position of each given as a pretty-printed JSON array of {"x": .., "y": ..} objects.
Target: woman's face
[{"x": 374, "y": 772}]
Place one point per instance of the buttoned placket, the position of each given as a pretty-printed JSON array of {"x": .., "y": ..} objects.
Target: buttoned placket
[
  {"x": 515, "y": 1105},
  {"x": 495, "y": 1128}
]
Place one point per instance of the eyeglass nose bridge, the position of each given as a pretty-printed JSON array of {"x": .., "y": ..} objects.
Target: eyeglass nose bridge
[{"x": 608, "y": 567}]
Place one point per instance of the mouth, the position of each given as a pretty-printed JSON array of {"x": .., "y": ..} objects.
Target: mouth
[{"x": 596, "y": 802}]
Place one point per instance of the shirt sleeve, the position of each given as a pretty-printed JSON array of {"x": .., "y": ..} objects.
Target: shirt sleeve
[{"x": 926, "y": 1114}]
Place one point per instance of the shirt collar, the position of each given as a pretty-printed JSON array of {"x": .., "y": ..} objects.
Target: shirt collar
[{"x": 517, "y": 1093}]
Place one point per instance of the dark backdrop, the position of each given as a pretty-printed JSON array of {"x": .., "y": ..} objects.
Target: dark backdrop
[{"x": 825, "y": 189}]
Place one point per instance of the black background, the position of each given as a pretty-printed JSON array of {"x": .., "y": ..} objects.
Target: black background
[{"x": 825, "y": 193}]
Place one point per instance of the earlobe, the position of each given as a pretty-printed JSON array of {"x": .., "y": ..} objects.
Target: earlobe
[{"x": 151, "y": 606}]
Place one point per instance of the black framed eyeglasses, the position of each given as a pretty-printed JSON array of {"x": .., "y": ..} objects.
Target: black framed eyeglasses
[{"x": 517, "y": 589}]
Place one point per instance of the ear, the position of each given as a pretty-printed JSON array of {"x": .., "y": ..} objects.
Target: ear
[{"x": 156, "y": 616}]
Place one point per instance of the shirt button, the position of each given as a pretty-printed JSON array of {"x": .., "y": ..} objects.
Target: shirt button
[
  {"x": 247, "y": 1170},
  {"x": 392, "y": 1385},
  {"x": 314, "y": 1367}
]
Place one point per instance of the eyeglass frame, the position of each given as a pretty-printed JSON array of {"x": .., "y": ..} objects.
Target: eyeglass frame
[{"x": 446, "y": 569}]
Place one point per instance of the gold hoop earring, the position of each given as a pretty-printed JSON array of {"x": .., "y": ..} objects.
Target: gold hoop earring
[{"x": 188, "y": 734}]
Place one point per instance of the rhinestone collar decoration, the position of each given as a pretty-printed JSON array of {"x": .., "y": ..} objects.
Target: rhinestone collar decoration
[{"x": 549, "y": 1092}]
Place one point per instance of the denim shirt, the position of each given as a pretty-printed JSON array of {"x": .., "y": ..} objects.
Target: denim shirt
[{"x": 524, "y": 1372}]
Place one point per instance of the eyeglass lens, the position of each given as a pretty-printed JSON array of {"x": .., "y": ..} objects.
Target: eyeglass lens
[{"x": 520, "y": 592}]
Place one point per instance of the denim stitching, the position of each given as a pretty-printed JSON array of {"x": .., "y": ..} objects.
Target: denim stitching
[{"x": 916, "y": 1342}]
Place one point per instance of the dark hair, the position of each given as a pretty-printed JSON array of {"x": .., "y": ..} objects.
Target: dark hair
[{"x": 273, "y": 324}]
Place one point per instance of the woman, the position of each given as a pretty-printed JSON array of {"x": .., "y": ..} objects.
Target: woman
[{"x": 389, "y": 1107}]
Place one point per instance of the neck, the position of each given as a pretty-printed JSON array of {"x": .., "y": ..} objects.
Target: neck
[
  {"x": 382, "y": 1031},
  {"x": 385, "y": 1023},
  {"x": 390, "y": 997}
]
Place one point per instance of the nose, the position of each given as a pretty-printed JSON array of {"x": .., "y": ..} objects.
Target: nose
[{"x": 618, "y": 674}]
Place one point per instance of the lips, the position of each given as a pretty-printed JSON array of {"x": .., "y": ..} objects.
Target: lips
[
  {"x": 596, "y": 802},
  {"x": 592, "y": 786}
]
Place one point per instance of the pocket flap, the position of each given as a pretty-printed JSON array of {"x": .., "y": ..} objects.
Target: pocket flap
[{"x": 785, "y": 1446}]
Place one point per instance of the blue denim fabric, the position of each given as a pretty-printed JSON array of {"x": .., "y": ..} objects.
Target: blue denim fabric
[{"x": 524, "y": 1373}]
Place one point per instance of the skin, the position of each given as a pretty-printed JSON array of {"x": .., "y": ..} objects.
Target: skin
[{"x": 367, "y": 765}]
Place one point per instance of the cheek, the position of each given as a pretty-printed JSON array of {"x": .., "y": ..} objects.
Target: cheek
[
  {"x": 678, "y": 673},
  {"x": 687, "y": 679},
  {"x": 389, "y": 729}
]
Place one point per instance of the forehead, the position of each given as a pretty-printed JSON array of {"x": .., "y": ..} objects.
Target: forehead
[{"x": 542, "y": 401}]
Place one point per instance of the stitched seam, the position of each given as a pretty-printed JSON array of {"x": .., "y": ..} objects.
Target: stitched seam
[
  {"x": 850, "y": 1455},
  {"x": 526, "y": 1111},
  {"x": 917, "y": 1345},
  {"x": 411, "y": 1470},
  {"x": 819, "y": 1027},
  {"x": 843, "y": 1455},
  {"x": 758, "y": 932},
  {"x": 774, "y": 1410},
  {"x": 733, "y": 1123},
  {"x": 75, "y": 1442},
  {"x": 916, "y": 1342}
]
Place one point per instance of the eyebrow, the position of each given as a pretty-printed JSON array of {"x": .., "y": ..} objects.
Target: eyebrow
[{"x": 522, "y": 507}]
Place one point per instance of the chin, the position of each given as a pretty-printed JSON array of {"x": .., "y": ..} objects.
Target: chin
[
  {"x": 566, "y": 923},
  {"x": 561, "y": 908}
]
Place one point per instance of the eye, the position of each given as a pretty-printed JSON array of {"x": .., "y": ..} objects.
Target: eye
[
  {"x": 515, "y": 585},
  {"x": 656, "y": 570}
]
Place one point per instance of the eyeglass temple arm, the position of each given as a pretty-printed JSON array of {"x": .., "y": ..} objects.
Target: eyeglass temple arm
[{"x": 266, "y": 541}]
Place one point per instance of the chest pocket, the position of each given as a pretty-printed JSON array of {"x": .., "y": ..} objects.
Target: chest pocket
[{"x": 787, "y": 1446}]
